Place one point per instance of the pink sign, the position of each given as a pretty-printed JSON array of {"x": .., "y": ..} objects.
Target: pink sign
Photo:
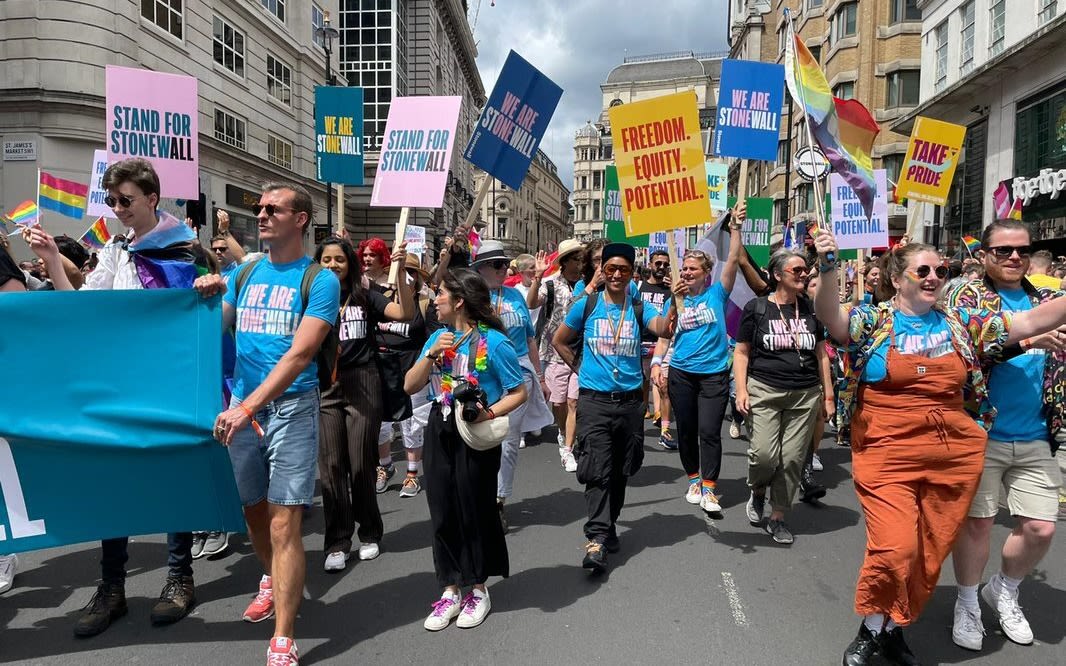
[
  {"x": 416, "y": 152},
  {"x": 154, "y": 115}
]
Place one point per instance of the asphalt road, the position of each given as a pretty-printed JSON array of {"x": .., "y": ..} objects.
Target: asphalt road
[{"x": 684, "y": 589}]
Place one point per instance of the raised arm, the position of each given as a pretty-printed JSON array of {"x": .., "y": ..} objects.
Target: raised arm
[
  {"x": 223, "y": 228},
  {"x": 533, "y": 298},
  {"x": 1041, "y": 319},
  {"x": 404, "y": 307},
  {"x": 736, "y": 245}
]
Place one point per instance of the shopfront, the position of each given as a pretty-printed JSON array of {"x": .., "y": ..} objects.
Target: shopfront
[
  {"x": 1040, "y": 166},
  {"x": 243, "y": 224}
]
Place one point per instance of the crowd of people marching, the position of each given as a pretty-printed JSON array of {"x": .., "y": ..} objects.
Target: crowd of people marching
[{"x": 469, "y": 359}]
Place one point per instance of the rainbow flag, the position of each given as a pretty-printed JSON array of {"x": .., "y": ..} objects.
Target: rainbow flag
[
  {"x": 474, "y": 239},
  {"x": 972, "y": 244},
  {"x": 63, "y": 196},
  {"x": 1016, "y": 210},
  {"x": 97, "y": 235},
  {"x": 843, "y": 129},
  {"x": 25, "y": 214},
  {"x": 1001, "y": 201}
]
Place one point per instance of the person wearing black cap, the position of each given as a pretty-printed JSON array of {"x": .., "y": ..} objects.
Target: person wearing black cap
[{"x": 610, "y": 442}]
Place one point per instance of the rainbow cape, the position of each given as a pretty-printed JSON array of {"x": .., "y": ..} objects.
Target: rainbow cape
[
  {"x": 972, "y": 244},
  {"x": 97, "y": 235},
  {"x": 63, "y": 196},
  {"x": 164, "y": 257},
  {"x": 25, "y": 214}
]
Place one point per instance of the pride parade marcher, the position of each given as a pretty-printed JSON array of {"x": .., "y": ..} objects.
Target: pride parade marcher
[
  {"x": 1027, "y": 390},
  {"x": 654, "y": 291},
  {"x": 271, "y": 427},
  {"x": 916, "y": 470},
  {"x": 476, "y": 377},
  {"x": 610, "y": 439}
]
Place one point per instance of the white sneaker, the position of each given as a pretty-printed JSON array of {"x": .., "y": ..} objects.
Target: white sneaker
[
  {"x": 9, "y": 565},
  {"x": 336, "y": 561},
  {"x": 522, "y": 442},
  {"x": 1005, "y": 605},
  {"x": 561, "y": 439},
  {"x": 816, "y": 463},
  {"x": 694, "y": 493},
  {"x": 967, "y": 630},
  {"x": 476, "y": 606},
  {"x": 444, "y": 610},
  {"x": 711, "y": 503},
  {"x": 569, "y": 462},
  {"x": 734, "y": 430},
  {"x": 369, "y": 551}
]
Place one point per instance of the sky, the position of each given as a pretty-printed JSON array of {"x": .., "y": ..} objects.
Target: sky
[{"x": 577, "y": 43}]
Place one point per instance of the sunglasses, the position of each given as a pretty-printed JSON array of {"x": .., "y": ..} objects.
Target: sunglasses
[
  {"x": 613, "y": 269},
  {"x": 498, "y": 264},
  {"x": 923, "y": 272},
  {"x": 121, "y": 199},
  {"x": 798, "y": 271},
  {"x": 270, "y": 209},
  {"x": 661, "y": 264},
  {"x": 219, "y": 250},
  {"x": 1005, "y": 251}
]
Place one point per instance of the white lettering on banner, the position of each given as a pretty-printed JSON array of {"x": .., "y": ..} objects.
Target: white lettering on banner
[
  {"x": 602, "y": 342},
  {"x": 353, "y": 324},
  {"x": 1049, "y": 181},
  {"x": 15, "y": 500},
  {"x": 929, "y": 346},
  {"x": 694, "y": 317}
]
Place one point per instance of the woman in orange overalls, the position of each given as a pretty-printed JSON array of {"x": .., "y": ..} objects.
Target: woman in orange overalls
[{"x": 920, "y": 414}]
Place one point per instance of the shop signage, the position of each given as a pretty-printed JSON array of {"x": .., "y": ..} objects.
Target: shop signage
[
  {"x": 1049, "y": 182},
  {"x": 241, "y": 198},
  {"x": 20, "y": 151}
]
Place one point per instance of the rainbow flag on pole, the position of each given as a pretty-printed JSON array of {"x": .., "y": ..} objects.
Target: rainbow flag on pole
[
  {"x": 972, "y": 244},
  {"x": 25, "y": 214},
  {"x": 97, "y": 235},
  {"x": 63, "y": 196}
]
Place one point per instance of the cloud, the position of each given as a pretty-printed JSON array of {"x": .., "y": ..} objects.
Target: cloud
[{"x": 577, "y": 43}]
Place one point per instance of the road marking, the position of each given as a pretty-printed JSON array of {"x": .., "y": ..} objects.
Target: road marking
[{"x": 735, "y": 607}]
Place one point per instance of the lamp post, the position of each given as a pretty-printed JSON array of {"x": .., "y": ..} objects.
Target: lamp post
[{"x": 327, "y": 34}]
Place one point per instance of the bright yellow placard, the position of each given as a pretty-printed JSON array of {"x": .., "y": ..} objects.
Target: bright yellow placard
[
  {"x": 659, "y": 153},
  {"x": 931, "y": 159}
]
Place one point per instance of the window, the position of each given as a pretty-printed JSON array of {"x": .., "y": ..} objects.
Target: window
[
  {"x": 167, "y": 14},
  {"x": 845, "y": 22},
  {"x": 229, "y": 129},
  {"x": 275, "y": 7},
  {"x": 279, "y": 151},
  {"x": 782, "y": 154},
  {"x": 997, "y": 32},
  {"x": 780, "y": 212},
  {"x": 373, "y": 56},
  {"x": 904, "y": 10},
  {"x": 893, "y": 166},
  {"x": 782, "y": 39},
  {"x": 940, "y": 34},
  {"x": 903, "y": 88},
  {"x": 811, "y": 4},
  {"x": 816, "y": 52},
  {"x": 595, "y": 209},
  {"x": 229, "y": 46},
  {"x": 1040, "y": 134},
  {"x": 584, "y": 183},
  {"x": 1048, "y": 9},
  {"x": 966, "y": 13},
  {"x": 279, "y": 80},
  {"x": 317, "y": 21},
  {"x": 501, "y": 227},
  {"x": 805, "y": 195},
  {"x": 845, "y": 90},
  {"x": 597, "y": 180}
]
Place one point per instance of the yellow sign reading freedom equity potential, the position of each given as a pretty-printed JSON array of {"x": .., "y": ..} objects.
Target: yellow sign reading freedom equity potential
[
  {"x": 931, "y": 159},
  {"x": 661, "y": 173}
]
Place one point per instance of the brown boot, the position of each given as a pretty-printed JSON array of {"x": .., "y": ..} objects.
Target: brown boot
[
  {"x": 109, "y": 603},
  {"x": 175, "y": 601}
]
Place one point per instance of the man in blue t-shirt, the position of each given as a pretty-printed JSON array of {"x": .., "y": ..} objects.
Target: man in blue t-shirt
[
  {"x": 610, "y": 443},
  {"x": 271, "y": 427}
]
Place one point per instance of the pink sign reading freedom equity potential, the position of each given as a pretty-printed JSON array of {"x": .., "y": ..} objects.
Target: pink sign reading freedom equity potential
[
  {"x": 154, "y": 115},
  {"x": 416, "y": 152}
]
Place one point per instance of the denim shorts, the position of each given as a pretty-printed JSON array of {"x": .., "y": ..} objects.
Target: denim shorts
[{"x": 281, "y": 466}]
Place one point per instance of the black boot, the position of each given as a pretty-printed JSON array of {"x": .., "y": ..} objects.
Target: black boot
[
  {"x": 175, "y": 601},
  {"x": 864, "y": 647},
  {"x": 810, "y": 489},
  {"x": 109, "y": 603},
  {"x": 894, "y": 648}
]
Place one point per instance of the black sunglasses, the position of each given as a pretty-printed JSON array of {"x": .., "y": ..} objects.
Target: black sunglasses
[
  {"x": 270, "y": 209},
  {"x": 1005, "y": 251},
  {"x": 661, "y": 264},
  {"x": 122, "y": 199},
  {"x": 923, "y": 272},
  {"x": 498, "y": 264},
  {"x": 219, "y": 250}
]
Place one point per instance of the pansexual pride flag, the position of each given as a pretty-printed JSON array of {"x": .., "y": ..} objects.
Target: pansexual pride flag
[
  {"x": 96, "y": 236},
  {"x": 25, "y": 214},
  {"x": 63, "y": 196}
]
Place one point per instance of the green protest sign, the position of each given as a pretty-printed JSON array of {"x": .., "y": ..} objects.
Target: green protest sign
[{"x": 613, "y": 228}]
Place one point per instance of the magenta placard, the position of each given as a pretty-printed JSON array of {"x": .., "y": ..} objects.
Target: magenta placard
[
  {"x": 154, "y": 115},
  {"x": 416, "y": 152}
]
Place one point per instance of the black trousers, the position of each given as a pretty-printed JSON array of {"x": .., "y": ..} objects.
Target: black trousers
[
  {"x": 699, "y": 403},
  {"x": 114, "y": 553},
  {"x": 349, "y": 422},
  {"x": 609, "y": 449}
]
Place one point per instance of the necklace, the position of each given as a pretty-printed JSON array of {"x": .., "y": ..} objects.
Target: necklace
[
  {"x": 617, "y": 328},
  {"x": 796, "y": 335},
  {"x": 447, "y": 382}
]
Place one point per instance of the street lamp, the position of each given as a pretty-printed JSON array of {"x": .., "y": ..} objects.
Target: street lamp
[{"x": 327, "y": 34}]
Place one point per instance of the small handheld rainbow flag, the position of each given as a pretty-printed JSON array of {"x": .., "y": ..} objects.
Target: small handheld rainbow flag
[
  {"x": 972, "y": 244},
  {"x": 97, "y": 235},
  {"x": 63, "y": 196},
  {"x": 474, "y": 238},
  {"x": 25, "y": 214}
]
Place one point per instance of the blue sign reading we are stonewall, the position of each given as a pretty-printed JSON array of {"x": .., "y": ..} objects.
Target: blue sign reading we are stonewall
[
  {"x": 749, "y": 110},
  {"x": 339, "y": 135},
  {"x": 513, "y": 121}
]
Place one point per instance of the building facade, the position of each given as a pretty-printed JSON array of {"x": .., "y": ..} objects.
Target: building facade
[
  {"x": 256, "y": 62},
  {"x": 637, "y": 78},
  {"x": 1003, "y": 76},
  {"x": 534, "y": 217}
]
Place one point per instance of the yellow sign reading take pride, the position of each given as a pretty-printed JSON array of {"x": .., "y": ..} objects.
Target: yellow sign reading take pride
[
  {"x": 931, "y": 159},
  {"x": 661, "y": 172}
]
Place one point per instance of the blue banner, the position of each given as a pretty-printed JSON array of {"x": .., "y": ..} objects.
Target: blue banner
[
  {"x": 513, "y": 121},
  {"x": 105, "y": 430},
  {"x": 339, "y": 135},
  {"x": 749, "y": 110}
]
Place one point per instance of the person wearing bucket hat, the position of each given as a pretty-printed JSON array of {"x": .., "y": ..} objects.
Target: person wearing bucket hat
[
  {"x": 509, "y": 304},
  {"x": 610, "y": 441},
  {"x": 472, "y": 351}
]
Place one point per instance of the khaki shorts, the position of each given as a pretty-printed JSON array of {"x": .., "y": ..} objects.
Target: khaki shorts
[{"x": 1027, "y": 472}]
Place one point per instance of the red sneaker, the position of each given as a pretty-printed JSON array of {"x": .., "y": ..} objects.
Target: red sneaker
[
  {"x": 282, "y": 652},
  {"x": 262, "y": 607}
]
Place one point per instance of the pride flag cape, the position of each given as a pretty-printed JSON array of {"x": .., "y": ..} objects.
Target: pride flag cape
[
  {"x": 716, "y": 244},
  {"x": 164, "y": 257},
  {"x": 97, "y": 235},
  {"x": 25, "y": 214},
  {"x": 63, "y": 196},
  {"x": 972, "y": 244}
]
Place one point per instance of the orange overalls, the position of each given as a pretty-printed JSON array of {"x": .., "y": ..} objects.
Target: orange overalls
[{"x": 916, "y": 462}]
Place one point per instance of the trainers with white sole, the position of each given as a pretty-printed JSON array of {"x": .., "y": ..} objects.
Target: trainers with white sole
[
  {"x": 816, "y": 463},
  {"x": 262, "y": 607},
  {"x": 710, "y": 502},
  {"x": 410, "y": 486},
  {"x": 9, "y": 565},
  {"x": 444, "y": 611},
  {"x": 1005, "y": 605},
  {"x": 734, "y": 430},
  {"x": 694, "y": 494},
  {"x": 476, "y": 606},
  {"x": 967, "y": 630},
  {"x": 756, "y": 509},
  {"x": 336, "y": 561},
  {"x": 282, "y": 652},
  {"x": 569, "y": 462},
  {"x": 369, "y": 551}
]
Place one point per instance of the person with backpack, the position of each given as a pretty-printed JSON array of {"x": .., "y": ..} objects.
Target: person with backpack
[
  {"x": 610, "y": 416},
  {"x": 352, "y": 407}
]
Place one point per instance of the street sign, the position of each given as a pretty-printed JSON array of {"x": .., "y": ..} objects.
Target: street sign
[{"x": 811, "y": 164}]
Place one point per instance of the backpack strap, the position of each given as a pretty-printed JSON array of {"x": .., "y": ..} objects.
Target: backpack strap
[
  {"x": 590, "y": 305},
  {"x": 310, "y": 273}
]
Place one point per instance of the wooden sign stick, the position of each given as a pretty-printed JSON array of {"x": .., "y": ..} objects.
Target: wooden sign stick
[
  {"x": 675, "y": 270},
  {"x": 479, "y": 198},
  {"x": 401, "y": 231},
  {"x": 340, "y": 209}
]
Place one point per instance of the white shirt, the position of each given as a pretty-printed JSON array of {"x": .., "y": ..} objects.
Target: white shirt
[{"x": 114, "y": 270}]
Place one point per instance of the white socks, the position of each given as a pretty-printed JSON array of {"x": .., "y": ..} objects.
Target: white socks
[
  {"x": 1009, "y": 584},
  {"x": 874, "y": 623},
  {"x": 968, "y": 595}
]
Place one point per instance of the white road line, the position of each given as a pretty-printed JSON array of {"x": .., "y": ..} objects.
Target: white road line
[{"x": 735, "y": 607}]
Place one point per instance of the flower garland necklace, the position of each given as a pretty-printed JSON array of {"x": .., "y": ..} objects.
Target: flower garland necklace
[{"x": 481, "y": 363}]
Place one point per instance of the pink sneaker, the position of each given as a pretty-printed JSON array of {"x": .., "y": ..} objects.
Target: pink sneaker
[
  {"x": 282, "y": 652},
  {"x": 262, "y": 607}
]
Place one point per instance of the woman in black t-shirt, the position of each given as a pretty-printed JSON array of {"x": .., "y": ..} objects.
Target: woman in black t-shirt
[
  {"x": 11, "y": 276},
  {"x": 782, "y": 375},
  {"x": 351, "y": 408}
]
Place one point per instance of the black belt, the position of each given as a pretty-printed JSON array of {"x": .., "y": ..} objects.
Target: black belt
[{"x": 613, "y": 396}]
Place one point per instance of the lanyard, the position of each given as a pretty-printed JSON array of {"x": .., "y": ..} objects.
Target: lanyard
[{"x": 795, "y": 320}]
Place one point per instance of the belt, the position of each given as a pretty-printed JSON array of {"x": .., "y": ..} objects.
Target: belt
[{"x": 613, "y": 396}]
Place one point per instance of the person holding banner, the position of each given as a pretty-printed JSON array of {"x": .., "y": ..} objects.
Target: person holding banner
[
  {"x": 470, "y": 355},
  {"x": 915, "y": 476}
]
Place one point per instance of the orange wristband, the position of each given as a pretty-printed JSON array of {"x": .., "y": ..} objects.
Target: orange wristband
[{"x": 251, "y": 417}]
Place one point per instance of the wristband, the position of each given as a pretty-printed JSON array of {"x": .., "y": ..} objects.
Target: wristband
[
  {"x": 251, "y": 417},
  {"x": 1026, "y": 344},
  {"x": 824, "y": 267},
  {"x": 656, "y": 360},
  {"x": 492, "y": 414}
]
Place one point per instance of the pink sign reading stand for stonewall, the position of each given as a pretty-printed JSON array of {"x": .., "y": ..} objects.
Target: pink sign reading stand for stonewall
[
  {"x": 416, "y": 152},
  {"x": 154, "y": 115}
]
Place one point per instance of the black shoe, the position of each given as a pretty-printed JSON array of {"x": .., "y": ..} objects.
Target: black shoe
[
  {"x": 109, "y": 603},
  {"x": 595, "y": 557},
  {"x": 894, "y": 649},
  {"x": 611, "y": 543},
  {"x": 810, "y": 490},
  {"x": 175, "y": 601},
  {"x": 865, "y": 646},
  {"x": 503, "y": 518}
]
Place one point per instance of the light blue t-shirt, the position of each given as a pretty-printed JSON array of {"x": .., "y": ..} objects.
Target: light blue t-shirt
[
  {"x": 501, "y": 374},
  {"x": 924, "y": 335},
  {"x": 606, "y": 366},
  {"x": 633, "y": 290},
  {"x": 1015, "y": 387},
  {"x": 701, "y": 344},
  {"x": 514, "y": 313},
  {"x": 269, "y": 312}
]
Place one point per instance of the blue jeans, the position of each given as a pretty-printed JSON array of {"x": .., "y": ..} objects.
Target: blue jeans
[{"x": 115, "y": 553}]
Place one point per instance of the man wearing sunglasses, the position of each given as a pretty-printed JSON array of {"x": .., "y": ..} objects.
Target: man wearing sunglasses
[{"x": 1020, "y": 458}]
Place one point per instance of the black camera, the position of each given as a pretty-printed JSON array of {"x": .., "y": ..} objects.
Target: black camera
[{"x": 471, "y": 397}]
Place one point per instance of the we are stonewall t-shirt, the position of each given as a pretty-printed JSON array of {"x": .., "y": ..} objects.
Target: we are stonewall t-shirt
[
  {"x": 701, "y": 344},
  {"x": 269, "y": 310},
  {"x": 925, "y": 335},
  {"x": 514, "y": 313},
  {"x": 611, "y": 357}
]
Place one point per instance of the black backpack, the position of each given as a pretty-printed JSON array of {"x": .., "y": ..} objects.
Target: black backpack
[
  {"x": 577, "y": 345},
  {"x": 327, "y": 355}
]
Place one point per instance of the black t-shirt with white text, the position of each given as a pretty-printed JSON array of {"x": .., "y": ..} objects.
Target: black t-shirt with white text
[
  {"x": 653, "y": 295},
  {"x": 408, "y": 335},
  {"x": 356, "y": 326},
  {"x": 782, "y": 346}
]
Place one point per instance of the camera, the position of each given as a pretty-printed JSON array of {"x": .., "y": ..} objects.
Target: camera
[{"x": 469, "y": 396}]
